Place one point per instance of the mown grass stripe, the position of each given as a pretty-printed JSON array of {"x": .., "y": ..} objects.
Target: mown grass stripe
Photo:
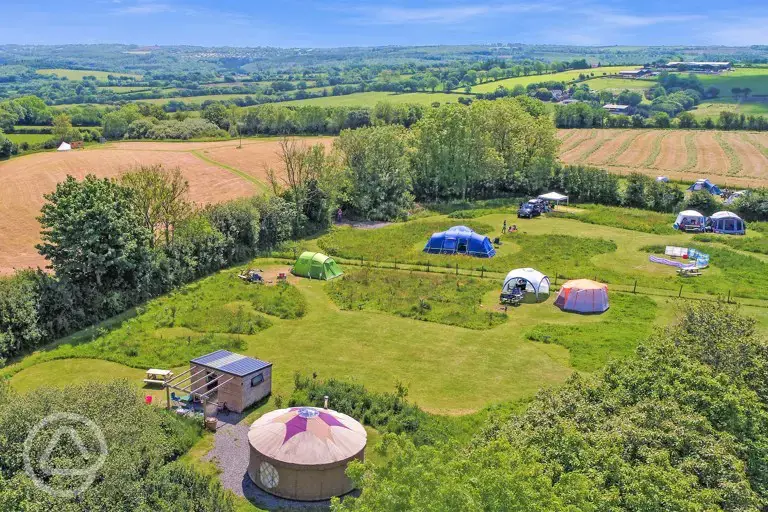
[
  {"x": 260, "y": 185},
  {"x": 734, "y": 162},
  {"x": 655, "y": 151},
  {"x": 692, "y": 159},
  {"x": 623, "y": 148}
]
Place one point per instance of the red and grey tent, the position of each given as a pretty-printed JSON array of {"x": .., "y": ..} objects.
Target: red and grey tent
[{"x": 583, "y": 296}]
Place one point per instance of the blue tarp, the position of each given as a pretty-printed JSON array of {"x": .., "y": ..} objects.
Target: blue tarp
[
  {"x": 460, "y": 240},
  {"x": 705, "y": 185}
]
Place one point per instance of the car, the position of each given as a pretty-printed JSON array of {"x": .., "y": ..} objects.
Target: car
[
  {"x": 539, "y": 204},
  {"x": 529, "y": 211}
]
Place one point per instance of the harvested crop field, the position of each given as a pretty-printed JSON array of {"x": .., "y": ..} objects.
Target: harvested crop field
[
  {"x": 734, "y": 159},
  {"x": 25, "y": 180}
]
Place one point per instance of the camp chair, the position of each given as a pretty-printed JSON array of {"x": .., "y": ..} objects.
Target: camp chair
[{"x": 513, "y": 298}]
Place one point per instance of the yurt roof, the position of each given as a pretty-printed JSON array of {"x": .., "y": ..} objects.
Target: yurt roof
[
  {"x": 307, "y": 436},
  {"x": 725, "y": 215},
  {"x": 690, "y": 213},
  {"x": 584, "y": 284}
]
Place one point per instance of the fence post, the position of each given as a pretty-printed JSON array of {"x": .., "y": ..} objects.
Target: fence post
[
  {"x": 634, "y": 290},
  {"x": 457, "y": 269},
  {"x": 395, "y": 264},
  {"x": 361, "y": 261},
  {"x": 427, "y": 266},
  {"x": 729, "y": 296},
  {"x": 680, "y": 293},
  {"x": 482, "y": 271}
]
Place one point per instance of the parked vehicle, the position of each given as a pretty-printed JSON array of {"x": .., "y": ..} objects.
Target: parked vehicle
[{"x": 528, "y": 211}]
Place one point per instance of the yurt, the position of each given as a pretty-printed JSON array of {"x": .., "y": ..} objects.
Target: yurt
[
  {"x": 690, "y": 220},
  {"x": 727, "y": 223},
  {"x": 530, "y": 282},
  {"x": 315, "y": 265},
  {"x": 302, "y": 453},
  {"x": 460, "y": 240},
  {"x": 583, "y": 296}
]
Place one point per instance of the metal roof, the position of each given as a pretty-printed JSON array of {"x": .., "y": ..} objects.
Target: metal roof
[{"x": 231, "y": 363}]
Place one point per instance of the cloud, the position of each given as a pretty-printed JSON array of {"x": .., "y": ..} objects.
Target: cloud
[
  {"x": 737, "y": 32},
  {"x": 384, "y": 15},
  {"x": 631, "y": 20},
  {"x": 144, "y": 7}
]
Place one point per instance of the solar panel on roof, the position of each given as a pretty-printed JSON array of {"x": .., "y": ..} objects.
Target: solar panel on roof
[{"x": 229, "y": 362}]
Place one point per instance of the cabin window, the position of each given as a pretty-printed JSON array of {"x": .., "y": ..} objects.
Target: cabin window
[{"x": 256, "y": 380}]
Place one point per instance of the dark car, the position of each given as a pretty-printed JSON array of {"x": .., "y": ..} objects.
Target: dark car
[
  {"x": 528, "y": 210},
  {"x": 539, "y": 204}
]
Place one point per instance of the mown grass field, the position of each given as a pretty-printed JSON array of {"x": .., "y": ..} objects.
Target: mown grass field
[
  {"x": 370, "y": 99},
  {"x": 565, "y": 76},
  {"x": 712, "y": 108},
  {"x": 78, "y": 74},
  {"x": 732, "y": 159},
  {"x": 753, "y": 78},
  {"x": 29, "y": 138},
  {"x": 619, "y": 84}
]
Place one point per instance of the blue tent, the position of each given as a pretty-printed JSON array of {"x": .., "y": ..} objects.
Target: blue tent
[
  {"x": 727, "y": 223},
  {"x": 705, "y": 184},
  {"x": 460, "y": 240}
]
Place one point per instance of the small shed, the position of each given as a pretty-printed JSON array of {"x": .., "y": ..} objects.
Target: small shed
[
  {"x": 64, "y": 147},
  {"x": 727, "y": 223},
  {"x": 460, "y": 240},
  {"x": 315, "y": 265},
  {"x": 239, "y": 381}
]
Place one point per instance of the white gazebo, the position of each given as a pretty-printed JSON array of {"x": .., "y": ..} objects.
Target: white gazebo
[
  {"x": 528, "y": 280},
  {"x": 554, "y": 196},
  {"x": 64, "y": 147}
]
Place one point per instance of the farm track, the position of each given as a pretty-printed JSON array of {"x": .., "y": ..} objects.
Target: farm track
[{"x": 733, "y": 158}]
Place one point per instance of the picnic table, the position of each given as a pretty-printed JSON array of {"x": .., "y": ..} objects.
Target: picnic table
[
  {"x": 157, "y": 376},
  {"x": 688, "y": 272}
]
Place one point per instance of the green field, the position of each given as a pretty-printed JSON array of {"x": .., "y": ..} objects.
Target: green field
[
  {"x": 29, "y": 138},
  {"x": 619, "y": 84},
  {"x": 123, "y": 89},
  {"x": 78, "y": 74},
  {"x": 369, "y": 99},
  {"x": 712, "y": 108},
  {"x": 753, "y": 78},
  {"x": 565, "y": 76}
]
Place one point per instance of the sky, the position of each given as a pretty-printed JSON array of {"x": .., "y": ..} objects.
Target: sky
[{"x": 333, "y": 23}]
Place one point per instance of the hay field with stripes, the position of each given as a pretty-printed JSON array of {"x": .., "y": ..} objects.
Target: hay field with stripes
[{"x": 734, "y": 159}]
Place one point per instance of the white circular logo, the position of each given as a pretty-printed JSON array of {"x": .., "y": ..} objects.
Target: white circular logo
[
  {"x": 268, "y": 475},
  {"x": 65, "y": 434}
]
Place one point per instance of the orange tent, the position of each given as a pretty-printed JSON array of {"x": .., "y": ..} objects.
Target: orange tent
[{"x": 583, "y": 296}]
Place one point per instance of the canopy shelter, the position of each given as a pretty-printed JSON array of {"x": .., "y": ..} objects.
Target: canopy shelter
[
  {"x": 302, "y": 453},
  {"x": 64, "y": 147},
  {"x": 460, "y": 240},
  {"x": 727, "y": 223},
  {"x": 583, "y": 296},
  {"x": 705, "y": 184},
  {"x": 690, "y": 220},
  {"x": 554, "y": 196},
  {"x": 530, "y": 282},
  {"x": 315, "y": 265}
]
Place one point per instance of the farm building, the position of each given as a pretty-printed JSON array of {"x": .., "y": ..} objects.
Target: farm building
[
  {"x": 616, "y": 109},
  {"x": 302, "y": 453},
  {"x": 727, "y": 223},
  {"x": 705, "y": 184},
  {"x": 583, "y": 296},
  {"x": 634, "y": 73},
  {"x": 240, "y": 381},
  {"x": 460, "y": 240},
  {"x": 315, "y": 265}
]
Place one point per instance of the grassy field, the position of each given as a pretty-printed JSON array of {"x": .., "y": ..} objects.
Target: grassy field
[
  {"x": 619, "y": 84},
  {"x": 712, "y": 108},
  {"x": 369, "y": 99},
  {"x": 565, "y": 76},
  {"x": 78, "y": 74},
  {"x": 30, "y": 138},
  {"x": 753, "y": 78},
  {"x": 123, "y": 89}
]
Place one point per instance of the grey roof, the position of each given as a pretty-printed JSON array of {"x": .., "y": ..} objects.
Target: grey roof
[{"x": 231, "y": 363}]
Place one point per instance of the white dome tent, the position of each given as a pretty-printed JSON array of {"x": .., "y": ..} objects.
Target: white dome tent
[
  {"x": 530, "y": 281},
  {"x": 690, "y": 220},
  {"x": 65, "y": 147}
]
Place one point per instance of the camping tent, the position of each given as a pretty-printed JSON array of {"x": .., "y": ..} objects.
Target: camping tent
[
  {"x": 64, "y": 147},
  {"x": 583, "y": 296},
  {"x": 315, "y": 265},
  {"x": 460, "y": 240},
  {"x": 705, "y": 184},
  {"x": 662, "y": 179},
  {"x": 727, "y": 223},
  {"x": 531, "y": 280},
  {"x": 554, "y": 196},
  {"x": 735, "y": 196},
  {"x": 689, "y": 219}
]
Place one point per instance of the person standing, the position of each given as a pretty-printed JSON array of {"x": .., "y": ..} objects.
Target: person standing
[{"x": 504, "y": 227}]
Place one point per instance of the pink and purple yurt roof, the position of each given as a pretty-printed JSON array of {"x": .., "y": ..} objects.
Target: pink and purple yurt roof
[{"x": 307, "y": 436}]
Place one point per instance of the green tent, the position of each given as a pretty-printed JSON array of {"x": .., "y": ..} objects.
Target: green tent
[{"x": 315, "y": 265}]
